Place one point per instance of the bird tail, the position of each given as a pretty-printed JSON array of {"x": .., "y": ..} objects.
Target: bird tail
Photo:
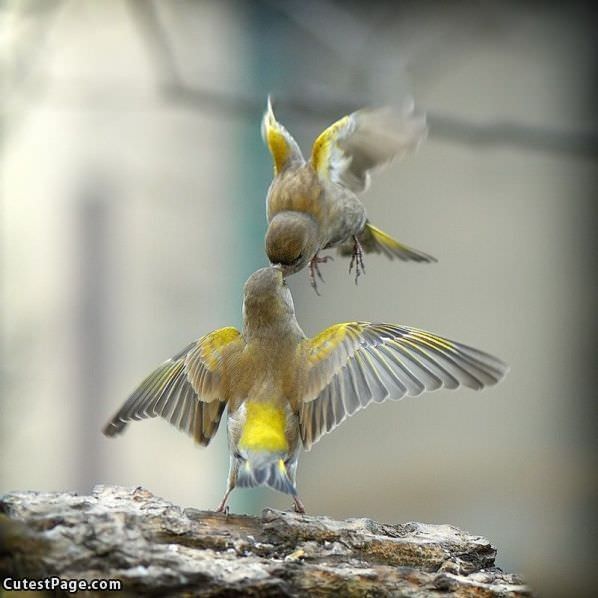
[
  {"x": 374, "y": 240},
  {"x": 265, "y": 471}
]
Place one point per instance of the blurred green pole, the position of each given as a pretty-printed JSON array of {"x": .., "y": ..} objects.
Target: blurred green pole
[{"x": 265, "y": 60}]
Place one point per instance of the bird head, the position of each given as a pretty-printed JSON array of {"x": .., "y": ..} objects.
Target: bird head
[
  {"x": 291, "y": 241},
  {"x": 267, "y": 303}
]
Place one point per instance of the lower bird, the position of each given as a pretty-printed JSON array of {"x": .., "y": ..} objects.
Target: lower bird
[
  {"x": 284, "y": 390},
  {"x": 313, "y": 205}
]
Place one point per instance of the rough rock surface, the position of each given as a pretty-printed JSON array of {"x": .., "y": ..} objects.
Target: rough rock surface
[{"x": 157, "y": 548}]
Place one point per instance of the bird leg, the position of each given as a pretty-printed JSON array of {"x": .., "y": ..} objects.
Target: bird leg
[
  {"x": 223, "y": 507},
  {"x": 357, "y": 259},
  {"x": 299, "y": 508},
  {"x": 314, "y": 270}
]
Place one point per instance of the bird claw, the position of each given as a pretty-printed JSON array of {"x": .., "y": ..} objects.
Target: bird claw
[
  {"x": 298, "y": 506},
  {"x": 223, "y": 507},
  {"x": 225, "y": 510},
  {"x": 357, "y": 259},
  {"x": 314, "y": 270}
]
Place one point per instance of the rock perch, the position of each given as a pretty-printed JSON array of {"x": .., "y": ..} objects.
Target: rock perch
[{"x": 158, "y": 548}]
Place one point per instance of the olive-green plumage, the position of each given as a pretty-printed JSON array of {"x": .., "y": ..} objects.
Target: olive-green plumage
[
  {"x": 284, "y": 390},
  {"x": 313, "y": 205}
]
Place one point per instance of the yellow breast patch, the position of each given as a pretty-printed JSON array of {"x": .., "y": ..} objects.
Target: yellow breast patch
[{"x": 264, "y": 428}]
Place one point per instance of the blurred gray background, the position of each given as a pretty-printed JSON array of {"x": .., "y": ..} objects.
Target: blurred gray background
[{"x": 133, "y": 181}]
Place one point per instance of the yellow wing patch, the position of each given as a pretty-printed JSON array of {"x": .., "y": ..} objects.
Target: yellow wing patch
[
  {"x": 278, "y": 148},
  {"x": 382, "y": 238},
  {"x": 322, "y": 345},
  {"x": 380, "y": 241},
  {"x": 281, "y": 144},
  {"x": 211, "y": 347},
  {"x": 264, "y": 428},
  {"x": 321, "y": 151},
  {"x": 213, "y": 343}
]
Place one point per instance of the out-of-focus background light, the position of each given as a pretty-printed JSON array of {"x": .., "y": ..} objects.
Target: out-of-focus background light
[{"x": 133, "y": 184}]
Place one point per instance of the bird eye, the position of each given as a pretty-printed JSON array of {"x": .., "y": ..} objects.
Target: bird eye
[{"x": 239, "y": 456}]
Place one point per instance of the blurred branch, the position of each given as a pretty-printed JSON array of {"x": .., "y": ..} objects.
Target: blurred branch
[
  {"x": 347, "y": 40},
  {"x": 327, "y": 107},
  {"x": 145, "y": 16},
  {"x": 24, "y": 32},
  {"x": 582, "y": 144},
  {"x": 29, "y": 28}
]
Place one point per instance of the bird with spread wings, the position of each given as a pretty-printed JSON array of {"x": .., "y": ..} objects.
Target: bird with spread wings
[
  {"x": 313, "y": 205},
  {"x": 284, "y": 390}
]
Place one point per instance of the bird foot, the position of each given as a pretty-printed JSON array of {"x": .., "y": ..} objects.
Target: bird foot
[
  {"x": 357, "y": 259},
  {"x": 299, "y": 508},
  {"x": 223, "y": 507},
  {"x": 314, "y": 270}
]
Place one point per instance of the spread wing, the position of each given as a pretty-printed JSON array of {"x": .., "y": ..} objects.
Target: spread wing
[
  {"x": 284, "y": 149},
  {"x": 349, "y": 149},
  {"x": 184, "y": 390},
  {"x": 354, "y": 364}
]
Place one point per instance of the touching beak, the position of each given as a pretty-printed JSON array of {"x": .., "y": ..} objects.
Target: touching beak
[{"x": 284, "y": 269}]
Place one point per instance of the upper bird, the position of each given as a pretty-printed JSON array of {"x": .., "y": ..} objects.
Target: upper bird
[
  {"x": 313, "y": 205},
  {"x": 283, "y": 389}
]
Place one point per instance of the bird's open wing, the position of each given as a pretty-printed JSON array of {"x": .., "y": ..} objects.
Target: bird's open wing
[
  {"x": 185, "y": 390},
  {"x": 354, "y": 364},
  {"x": 284, "y": 149},
  {"x": 350, "y": 148}
]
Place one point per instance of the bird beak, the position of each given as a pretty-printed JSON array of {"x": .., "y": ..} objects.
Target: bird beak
[{"x": 284, "y": 270}]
